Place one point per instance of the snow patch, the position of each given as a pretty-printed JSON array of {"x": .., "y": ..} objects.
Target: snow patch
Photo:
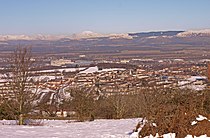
[{"x": 201, "y": 118}]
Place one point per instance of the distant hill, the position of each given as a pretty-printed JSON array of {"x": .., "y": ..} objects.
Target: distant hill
[
  {"x": 195, "y": 33},
  {"x": 107, "y": 42},
  {"x": 161, "y": 33},
  {"x": 88, "y": 35}
]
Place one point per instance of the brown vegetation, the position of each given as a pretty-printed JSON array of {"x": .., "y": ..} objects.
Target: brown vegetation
[
  {"x": 174, "y": 111},
  {"x": 208, "y": 72},
  {"x": 82, "y": 103}
]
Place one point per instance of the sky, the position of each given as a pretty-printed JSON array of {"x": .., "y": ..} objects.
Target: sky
[{"x": 102, "y": 16}]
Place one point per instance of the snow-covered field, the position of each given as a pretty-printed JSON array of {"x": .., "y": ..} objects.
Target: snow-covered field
[{"x": 62, "y": 129}]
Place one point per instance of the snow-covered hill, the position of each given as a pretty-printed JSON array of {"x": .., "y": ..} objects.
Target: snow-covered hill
[
  {"x": 83, "y": 35},
  {"x": 31, "y": 37},
  {"x": 86, "y": 34},
  {"x": 194, "y": 33},
  {"x": 90, "y": 35},
  {"x": 118, "y": 36}
]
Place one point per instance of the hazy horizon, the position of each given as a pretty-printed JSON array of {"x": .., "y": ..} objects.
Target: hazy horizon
[{"x": 56, "y": 17}]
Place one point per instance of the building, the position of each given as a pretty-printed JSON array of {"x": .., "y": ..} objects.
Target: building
[{"x": 60, "y": 62}]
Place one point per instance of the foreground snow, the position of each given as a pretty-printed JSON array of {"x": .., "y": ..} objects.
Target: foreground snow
[{"x": 62, "y": 129}]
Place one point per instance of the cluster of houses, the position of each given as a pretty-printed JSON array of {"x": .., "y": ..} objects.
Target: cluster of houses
[
  {"x": 114, "y": 80},
  {"x": 53, "y": 85}
]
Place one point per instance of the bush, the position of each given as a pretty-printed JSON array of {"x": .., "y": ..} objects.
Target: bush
[
  {"x": 6, "y": 112},
  {"x": 82, "y": 103},
  {"x": 172, "y": 111}
]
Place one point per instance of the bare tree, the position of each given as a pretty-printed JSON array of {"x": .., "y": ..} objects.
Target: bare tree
[
  {"x": 120, "y": 103},
  {"x": 82, "y": 102},
  {"x": 21, "y": 93}
]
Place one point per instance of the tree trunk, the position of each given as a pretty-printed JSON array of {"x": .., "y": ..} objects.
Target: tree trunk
[
  {"x": 21, "y": 119},
  {"x": 20, "y": 113}
]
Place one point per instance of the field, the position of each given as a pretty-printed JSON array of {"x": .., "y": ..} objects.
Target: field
[
  {"x": 63, "y": 129},
  {"x": 68, "y": 129}
]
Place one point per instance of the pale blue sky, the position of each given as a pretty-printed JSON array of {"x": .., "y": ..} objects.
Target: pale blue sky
[{"x": 102, "y": 16}]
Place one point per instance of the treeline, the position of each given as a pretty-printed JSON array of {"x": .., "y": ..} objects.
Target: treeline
[
  {"x": 116, "y": 65},
  {"x": 155, "y": 105},
  {"x": 148, "y": 103}
]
